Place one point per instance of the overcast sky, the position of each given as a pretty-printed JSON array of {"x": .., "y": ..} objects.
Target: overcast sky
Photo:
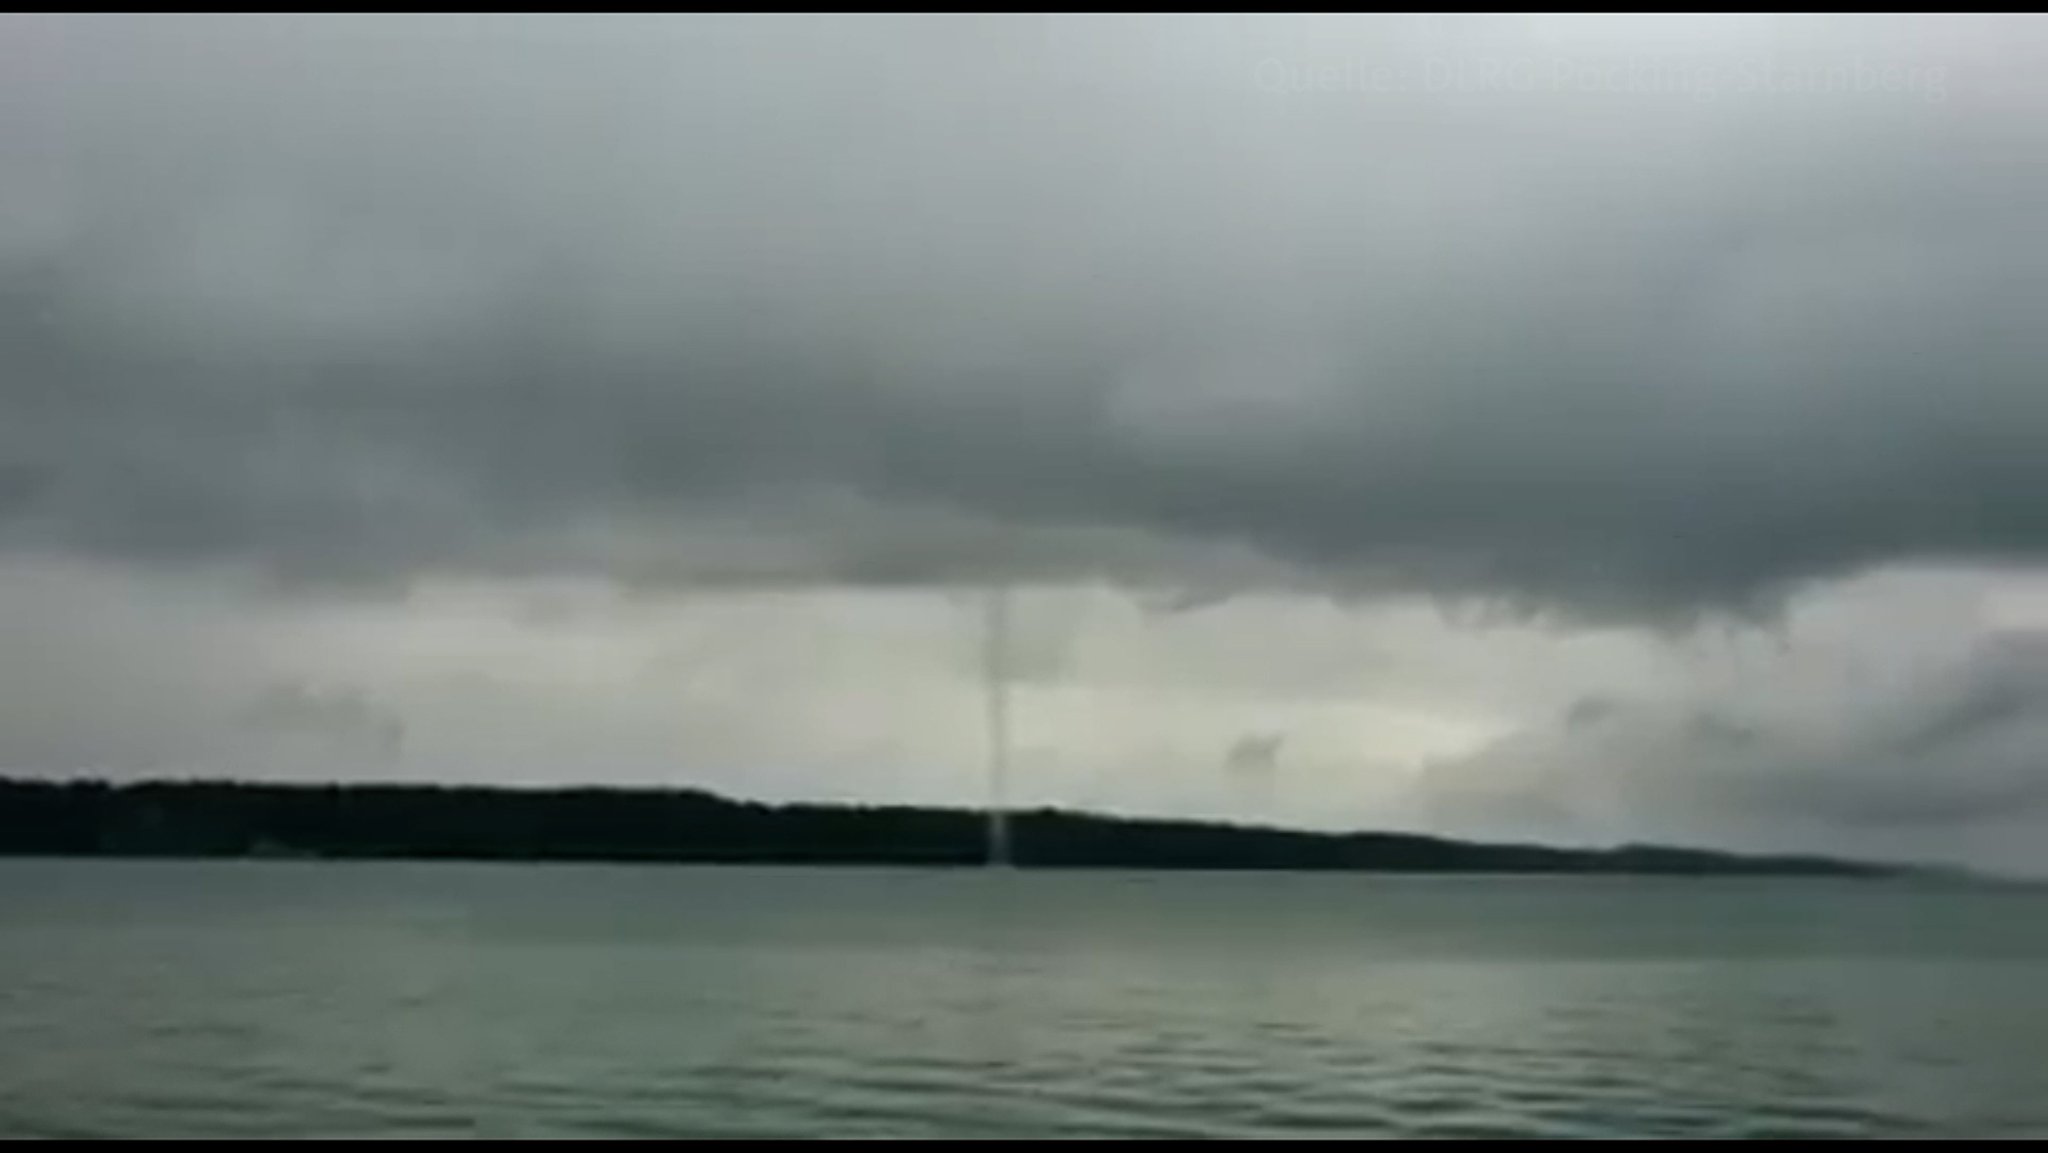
[{"x": 1568, "y": 428}]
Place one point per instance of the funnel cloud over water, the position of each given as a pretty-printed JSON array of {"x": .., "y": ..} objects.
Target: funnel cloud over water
[{"x": 1400, "y": 384}]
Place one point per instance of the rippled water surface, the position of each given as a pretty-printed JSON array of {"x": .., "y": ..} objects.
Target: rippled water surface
[{"x": 311, "y": 999}]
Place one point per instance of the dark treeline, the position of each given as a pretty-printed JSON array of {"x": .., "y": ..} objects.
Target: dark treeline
[{"x": 232, "y": 819}]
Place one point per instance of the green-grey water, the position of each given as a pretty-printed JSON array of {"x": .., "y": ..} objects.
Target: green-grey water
[{"x": 332, "y": 999}]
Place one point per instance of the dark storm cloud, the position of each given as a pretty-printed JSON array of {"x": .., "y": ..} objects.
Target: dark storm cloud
[
  {"x": 1965, "y": 747},
  {"x": 1589, "y": 711},
  {"x": 906, "y": 300},
  {"x": 1254, "y": 753}
]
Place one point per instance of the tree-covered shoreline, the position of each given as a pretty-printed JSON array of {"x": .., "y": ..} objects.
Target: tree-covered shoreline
[{"x": 242, "y": 819}]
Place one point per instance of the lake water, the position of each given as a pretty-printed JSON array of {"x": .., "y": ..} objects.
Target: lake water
[{"x": 333, "y": 999}]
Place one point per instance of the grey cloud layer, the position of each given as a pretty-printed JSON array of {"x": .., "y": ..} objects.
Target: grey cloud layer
[
  {"x": 758, "y": 299},
  {"x": 337, "y": 713},
  {"x": 1925, "y": 762}
]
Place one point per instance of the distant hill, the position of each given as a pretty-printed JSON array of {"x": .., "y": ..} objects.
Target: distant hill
[{"x": 234, "y": 819}]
